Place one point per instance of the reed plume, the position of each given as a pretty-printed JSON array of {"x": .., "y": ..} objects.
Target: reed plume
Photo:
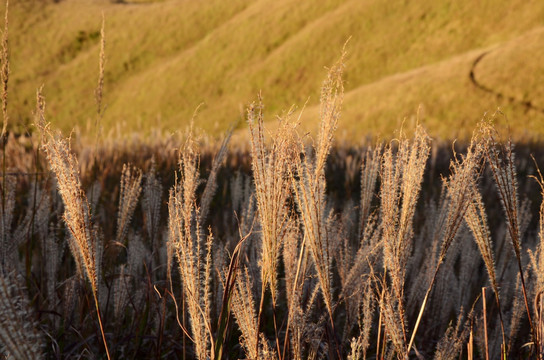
[
  {"x": 192, "y": 248},
  {"x": 401, "y": 178},
  {"x": 243, "y": 308},
  {"x": 458, "y": 188},
  {"x": 360, "y": 344},
  {"x": 308, "y": 179},
  {"x": 271, "y": 189},
  {"x": 477, "y": 221},
  {"x": 129, "y": 193},
  {"x": 537, "y": 263},
  {"x": 500, "y": 157},
  {"x": 84, "y": 241}
]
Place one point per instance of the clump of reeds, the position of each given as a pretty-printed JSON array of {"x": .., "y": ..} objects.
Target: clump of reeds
[
  {"x": 401, "y": 178},
  {"x": 458, "y": 192},
  {"x": 192, "y": 247},
  {"x": 308, "y": 178},
  {"x": 270, "y": 173}
]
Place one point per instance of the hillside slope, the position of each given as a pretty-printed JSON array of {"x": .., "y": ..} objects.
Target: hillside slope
[{"x": 165, "y": 58}]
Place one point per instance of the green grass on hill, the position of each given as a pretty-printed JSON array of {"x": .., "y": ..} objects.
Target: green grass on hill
[{"x": 164, "y": 58}]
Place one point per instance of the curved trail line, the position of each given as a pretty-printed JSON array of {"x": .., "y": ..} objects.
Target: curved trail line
[{"x": 528, "y": 104}]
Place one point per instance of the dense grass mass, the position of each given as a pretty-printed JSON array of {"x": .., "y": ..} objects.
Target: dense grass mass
[
  {"x": 167, "y": 57},
  {"x": 275, "y": 242},
  {"x": 291, "y": 249}
]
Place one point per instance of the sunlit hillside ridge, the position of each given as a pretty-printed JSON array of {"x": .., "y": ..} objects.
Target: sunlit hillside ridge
[{"x": 454, "y": 61}]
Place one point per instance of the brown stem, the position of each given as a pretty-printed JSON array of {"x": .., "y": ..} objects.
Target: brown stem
[
  {"x": 286, "y": 341},
  {"x": 470, "y": 346},
  {"x": 278, "y": 348},
  {"x": 263, "y": 291},
  {"x": 535, "y": 338},
  {"x": 423, "y": 308},
  {"x": 101, "y": 327},
  {"x": 485, "y": 326},
  {"x": 503, "y": 346}
]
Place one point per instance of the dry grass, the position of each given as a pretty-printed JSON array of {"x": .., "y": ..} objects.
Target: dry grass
[
  {"x": 378, "y": 270},
  {"x": 349, "y": 281}
]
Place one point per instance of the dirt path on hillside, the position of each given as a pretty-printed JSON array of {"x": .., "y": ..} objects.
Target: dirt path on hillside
[{"x": 528, "y": 104}]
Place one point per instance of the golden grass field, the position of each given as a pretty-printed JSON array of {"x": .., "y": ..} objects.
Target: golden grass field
[
  {"x": 165, "y": 58},
  {"x": 235, "y": 180}
]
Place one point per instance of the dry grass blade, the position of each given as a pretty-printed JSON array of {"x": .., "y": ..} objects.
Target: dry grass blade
[
  {"x": 332, "y": 97},
  {"x": 501, "y": 160},
  {"x": 477, "y": 222}
]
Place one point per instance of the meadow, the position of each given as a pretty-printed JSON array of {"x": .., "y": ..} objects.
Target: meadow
[
  {"x": 271, "y": 241},
  {"x": 165, "y": 58}
]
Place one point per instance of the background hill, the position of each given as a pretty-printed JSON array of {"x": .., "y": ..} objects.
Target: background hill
[{"x": 453, "y": 60}]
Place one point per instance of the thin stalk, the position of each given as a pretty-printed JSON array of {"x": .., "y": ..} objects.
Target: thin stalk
[
  {"x": 223, "y": 322},
  {"x": 422, "y": 309},
  {"x": 470, "y": 346},
  {"x": 382, "y": 356},
  {"x": 184, "y": 322},
  {"x": 286, "y": 341},
  {"x": 503, "y": 346},
  {"x": 263, "y": 292},
  {"x": 379, "y": 330},
  {"x": 278, "y": 348},
  {"x": 100, "y": 323},
  {"x": 337, "y": 345},
  {"x": 485, "y": 326},
  {"x": 535, "y": 337}
]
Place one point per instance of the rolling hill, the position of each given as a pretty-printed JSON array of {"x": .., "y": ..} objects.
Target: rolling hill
[{"x": 453, "y": 60}]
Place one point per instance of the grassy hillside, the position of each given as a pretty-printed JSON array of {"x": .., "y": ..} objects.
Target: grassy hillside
[{"x": 164, "y": 58}]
